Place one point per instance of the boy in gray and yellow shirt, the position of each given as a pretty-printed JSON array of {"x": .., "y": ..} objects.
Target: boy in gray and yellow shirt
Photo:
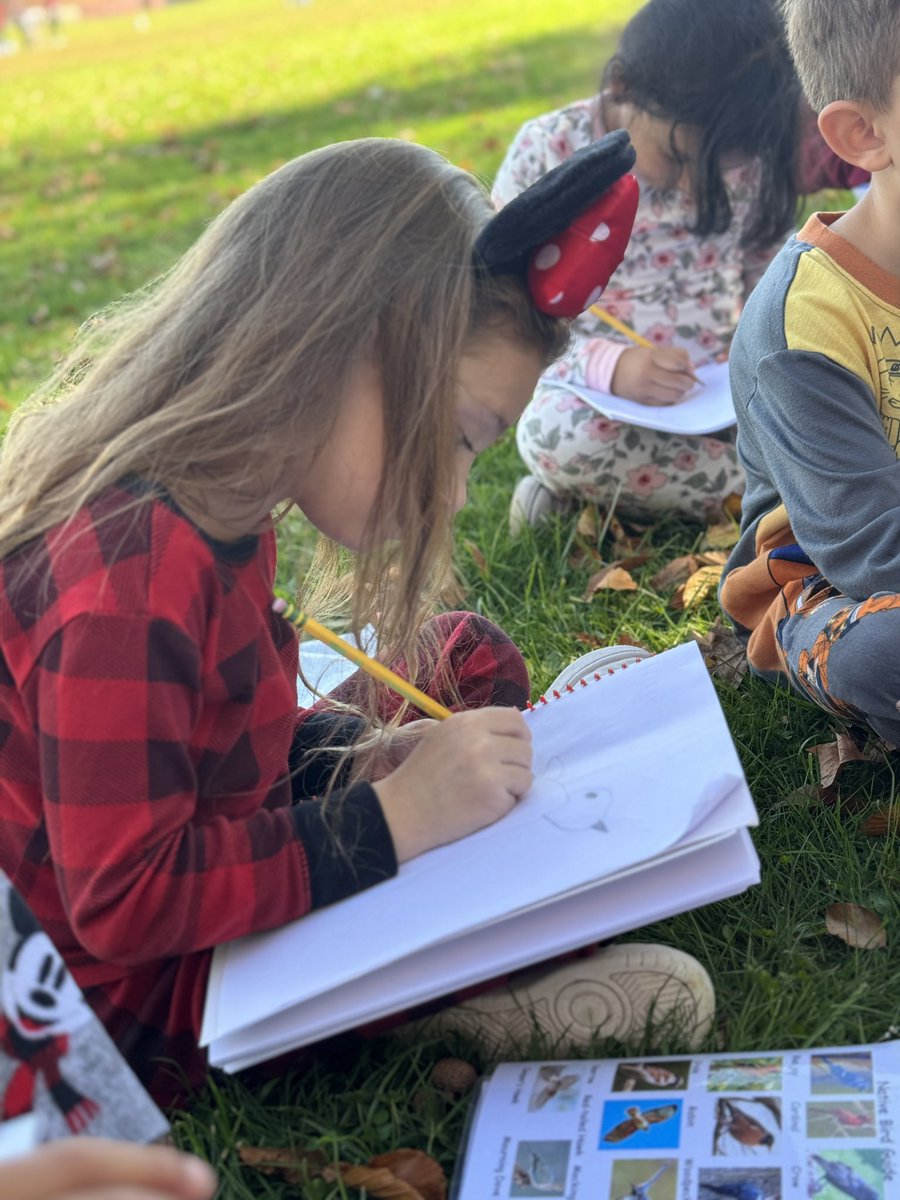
[{"x": 814, "y": 582}]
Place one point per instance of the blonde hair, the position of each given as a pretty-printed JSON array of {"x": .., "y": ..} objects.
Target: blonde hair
[
  {"x": 845, "y": 49},
  {"x": 357, "y": 252}
]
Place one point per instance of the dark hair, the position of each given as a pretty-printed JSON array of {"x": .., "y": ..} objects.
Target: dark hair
[{"x": 722, "y": 66}]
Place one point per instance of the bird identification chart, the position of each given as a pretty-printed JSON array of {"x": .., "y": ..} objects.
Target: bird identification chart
[{"x": 755, "y": 1126}]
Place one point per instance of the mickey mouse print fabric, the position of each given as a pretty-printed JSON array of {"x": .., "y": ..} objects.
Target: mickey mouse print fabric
[{"x": 60, "y": 1074}]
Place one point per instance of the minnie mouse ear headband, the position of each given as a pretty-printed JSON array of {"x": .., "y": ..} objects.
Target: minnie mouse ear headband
[{"x": 567, "y": 233}]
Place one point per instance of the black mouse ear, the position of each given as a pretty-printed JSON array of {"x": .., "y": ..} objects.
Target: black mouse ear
[
  {"x": 22, "y": 917},
  {"x": 567, "y": 233},
  {"x": 552, "y": 203}
]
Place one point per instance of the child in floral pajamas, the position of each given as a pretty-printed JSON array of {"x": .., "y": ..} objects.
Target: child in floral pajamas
[{"x": 717, "y": 198}]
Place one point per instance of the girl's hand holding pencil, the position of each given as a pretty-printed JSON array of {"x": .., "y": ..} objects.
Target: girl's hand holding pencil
[{"x": 466, "y": 771}]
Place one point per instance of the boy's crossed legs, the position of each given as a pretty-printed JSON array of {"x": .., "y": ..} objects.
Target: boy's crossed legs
[{"x": 844, "y": 654}]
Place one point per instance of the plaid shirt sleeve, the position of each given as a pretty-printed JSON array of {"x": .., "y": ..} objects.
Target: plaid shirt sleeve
[{"x": 159, "y": 849}]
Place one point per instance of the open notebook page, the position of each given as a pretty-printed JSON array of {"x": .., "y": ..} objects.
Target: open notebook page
[
  {"x": 619, "y": 780},
  {"x": 703, "y": 410}
]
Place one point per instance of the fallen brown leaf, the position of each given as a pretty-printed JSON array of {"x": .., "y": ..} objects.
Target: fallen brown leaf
[
  {"x": 397, "y": 1175},
  {"x": 624, "y": 638},
  {"x": 881, "y": 822},
  {"x": 723, "y": 653},
  {"x": 417, "y": 1168},
  {"x": 723, "y": 536},
  {"x": 676, "y": 571},
  {"x": 625, "y": 546},
  {"x": 833, "y": 755},
  {"x": 805, "y": 796},
  {"x": 582, "y": 551},
  {"x": 296, "y": 1166},
  {"x": 586, "y": 525},
  {"x": 732, "y": 506},
  {"x": 696, "y": 588},
  {"x": 809, "y": 794},
  {"x": 630, "y": 561},
  {"x": 859, "y": 927},
  {"x": 612, "y": 577},
  {"x": 590, "y": 640},
  {"x": 713, "y": 558},
  {"x": 378, "y": 1182}
]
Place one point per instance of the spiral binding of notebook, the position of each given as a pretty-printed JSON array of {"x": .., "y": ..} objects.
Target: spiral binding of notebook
[{"x": 592, "y": 667}]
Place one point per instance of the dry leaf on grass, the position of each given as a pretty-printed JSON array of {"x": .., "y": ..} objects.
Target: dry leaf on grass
[
  {"x": 806, "y": 795},
  {"x": 378, "y": 1182},
  {"x": 590, "y": 640},
  {"x": 398, "y": 1175},
  {"x": 881, "y": 822},
  {"x": 416, "y": 1168},
  {"x": 624, "y": 638},
  {"x": 582, "y": 551},
  {"x": 696, "y": 588},
  {"x": 586, "y": 525},
  {"x": 732, "y": 506},
  {"x": 857, "y": 926},
  {"x": 676, "y": 571},
  {"x": 713, "y": 558},
  {"x": 723, "y": 653},
  {"x": 612, "y": 577},
  {"x": 722, "y": 537},
  {"x": 296, "y": 1166},
  {"x": 833, "y": 755}
]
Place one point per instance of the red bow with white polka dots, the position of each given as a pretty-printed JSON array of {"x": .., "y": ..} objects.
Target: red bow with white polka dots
[{"x": 567, "y": 233}]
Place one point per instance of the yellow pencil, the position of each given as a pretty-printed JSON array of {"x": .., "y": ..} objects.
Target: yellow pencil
[
  {"x": 370, "y": 665},
  {"x": 639, "y": 339},
  {"x": 620, "y": 326}
]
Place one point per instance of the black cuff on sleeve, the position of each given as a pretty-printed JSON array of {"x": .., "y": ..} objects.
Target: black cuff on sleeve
[
  {"x": 311, "y": 773},
  {"x": 348, "y": 844}
]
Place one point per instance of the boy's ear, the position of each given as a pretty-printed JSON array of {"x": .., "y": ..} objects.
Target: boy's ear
[{"x": 852, "y": 131}]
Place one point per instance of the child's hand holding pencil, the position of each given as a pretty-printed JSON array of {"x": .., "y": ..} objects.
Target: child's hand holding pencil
[
  {"x": 649, "y": 374},
  {"x": 657, "y": 376},
  {"x": 465, "y": 771}
]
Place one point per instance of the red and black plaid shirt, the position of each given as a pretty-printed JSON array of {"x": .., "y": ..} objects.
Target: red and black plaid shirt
[{"x": 147, "y": 715}]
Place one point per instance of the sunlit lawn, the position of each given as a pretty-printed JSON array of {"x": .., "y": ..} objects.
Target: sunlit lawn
[{"x": 114, "y": 152}]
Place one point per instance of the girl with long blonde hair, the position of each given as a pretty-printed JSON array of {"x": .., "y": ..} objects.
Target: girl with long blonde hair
[{"x": 160, "y": 793}]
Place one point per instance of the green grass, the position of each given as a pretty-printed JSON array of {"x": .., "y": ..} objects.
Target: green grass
[{"x": 114, "y": 152}]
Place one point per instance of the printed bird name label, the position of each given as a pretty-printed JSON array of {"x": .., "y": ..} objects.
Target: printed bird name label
[{"x": 776, "y": 1125}]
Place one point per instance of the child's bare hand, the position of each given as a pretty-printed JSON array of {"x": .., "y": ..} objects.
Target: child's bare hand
[
  {"x": 465, "y": 773},
  {"x": 97, "y": 1169},
  {"x": 657, "y": 376}
]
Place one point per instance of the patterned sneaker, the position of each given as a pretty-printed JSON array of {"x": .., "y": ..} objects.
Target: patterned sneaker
[
  {"x": 598, "y": 662},
  {"x": 623, "y": 991},
  {"x": 531, "y": 503}
]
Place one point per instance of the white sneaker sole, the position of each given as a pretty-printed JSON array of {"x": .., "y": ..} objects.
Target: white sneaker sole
[
  {"x": 624, "y": 991},
  {"x": 598, "y": 662}
]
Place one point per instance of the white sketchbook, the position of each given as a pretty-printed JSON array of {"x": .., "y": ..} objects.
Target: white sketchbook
[
  {"x": 639, "y": 810},
  {"x": 704, "y": 410}
]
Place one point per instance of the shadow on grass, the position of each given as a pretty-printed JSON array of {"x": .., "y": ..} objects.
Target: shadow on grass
[{"x": 97, "y": 222}]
